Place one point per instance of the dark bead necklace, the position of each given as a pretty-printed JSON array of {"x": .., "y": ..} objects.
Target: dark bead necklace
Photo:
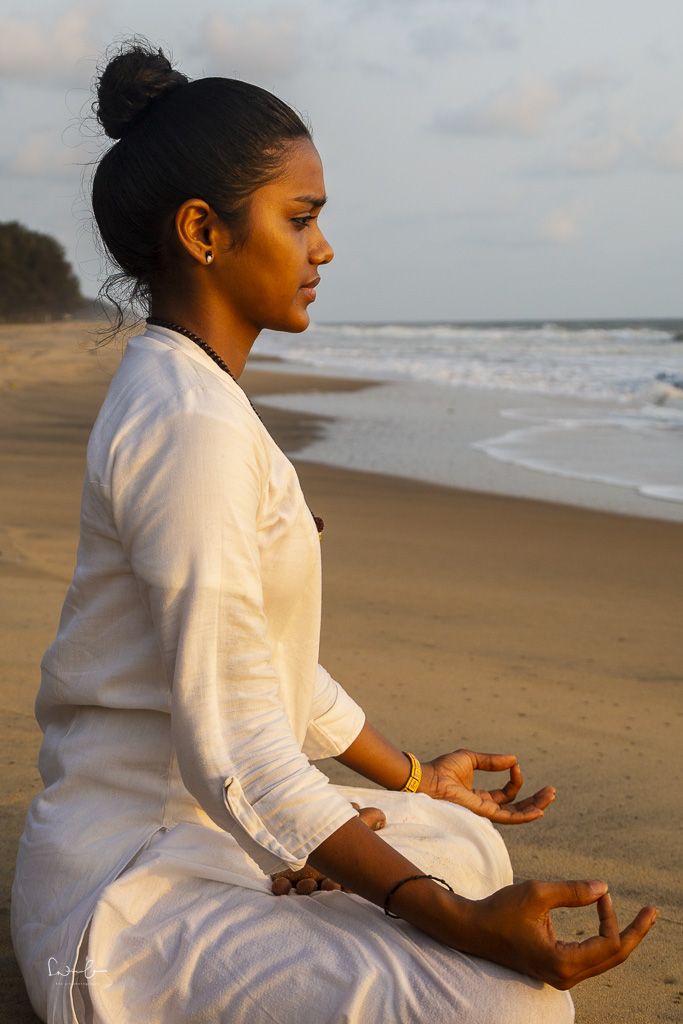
[
  {"x": 155, "y": 321},
  {"x": 203, "y": 345}
]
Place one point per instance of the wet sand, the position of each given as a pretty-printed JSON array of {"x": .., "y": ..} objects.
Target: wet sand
[{"x": 455, "y": 618}]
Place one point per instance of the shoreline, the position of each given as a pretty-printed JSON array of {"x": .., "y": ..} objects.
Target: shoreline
[
  {"x": 455, "y": 618},
  {"x": 322, "y": 432},
  {"x": 454, "y": 448}
]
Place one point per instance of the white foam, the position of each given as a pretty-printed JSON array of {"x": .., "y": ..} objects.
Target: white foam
[
  {"x": 664, "y": 493},
  {"x": 598, "y": 455},
  {"x": 602, "y": 405},
  {"x": 640, "y": 447}
]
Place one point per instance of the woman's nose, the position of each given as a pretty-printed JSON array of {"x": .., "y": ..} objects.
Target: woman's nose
[{"x": 324, "y": 253}]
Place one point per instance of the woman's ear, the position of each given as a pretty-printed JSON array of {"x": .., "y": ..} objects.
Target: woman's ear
[{"x": 199, "y": 230}]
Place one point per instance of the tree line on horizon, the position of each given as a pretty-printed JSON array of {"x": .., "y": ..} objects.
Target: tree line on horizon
[{"x": 36, "y": 279}]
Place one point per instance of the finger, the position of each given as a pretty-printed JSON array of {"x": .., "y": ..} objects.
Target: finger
[
  {"x": 492, "y": 762},
  {"x": 634, "y": 933},
  {"x": 528, "y": 807},
  {"x": 550, "y": 895},
  {"x": 373, "y": 817},
  {"x": 514, "y": 816},
  {"x": 485, "y": 807},
  {"x": 500, "y": 796},
  {"x": 543, "y": 798},
  {"x": 631, "y": 937},
  {"x": 627, "y": 940},
  {"x": 511, "y": 788},
  {"x": 609, "y": 926}
]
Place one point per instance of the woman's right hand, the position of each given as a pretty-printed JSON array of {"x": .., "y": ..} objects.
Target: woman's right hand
[
  {"x": 307, "y": 880},
  {"x": 513, "y": 927}
]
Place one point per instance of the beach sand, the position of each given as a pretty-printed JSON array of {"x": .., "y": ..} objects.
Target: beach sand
[{"x": 454, "y": 618}]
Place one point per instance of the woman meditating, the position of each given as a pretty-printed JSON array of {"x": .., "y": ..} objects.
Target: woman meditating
[{"x": 182, "y": 702}]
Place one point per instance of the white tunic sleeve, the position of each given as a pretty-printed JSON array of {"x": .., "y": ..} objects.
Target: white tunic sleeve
[
  {"x": 186, "y": 488},
  {"x": 337, "y": 719}
]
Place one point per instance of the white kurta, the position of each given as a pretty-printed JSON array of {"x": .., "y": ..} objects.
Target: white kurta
[{"x": 182, "y": 704}]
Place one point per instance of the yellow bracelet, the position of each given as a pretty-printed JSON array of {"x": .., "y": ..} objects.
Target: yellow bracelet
[{"x": 415, "y": 776}]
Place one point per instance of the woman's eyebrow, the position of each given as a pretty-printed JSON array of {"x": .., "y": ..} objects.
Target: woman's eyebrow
[{"x": 313, "y": 200}]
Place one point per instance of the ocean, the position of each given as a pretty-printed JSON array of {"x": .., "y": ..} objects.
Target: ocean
[{"x": 594, "y": 401}]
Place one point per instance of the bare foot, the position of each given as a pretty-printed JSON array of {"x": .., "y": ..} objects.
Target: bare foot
[{"x": 307, "y": 880}]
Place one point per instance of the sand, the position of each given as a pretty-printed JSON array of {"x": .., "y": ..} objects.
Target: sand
[{"x": 455, "y": 618}]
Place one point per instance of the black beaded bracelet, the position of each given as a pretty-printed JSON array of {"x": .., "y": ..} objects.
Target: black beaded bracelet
[{"x": 411, "y": 878}]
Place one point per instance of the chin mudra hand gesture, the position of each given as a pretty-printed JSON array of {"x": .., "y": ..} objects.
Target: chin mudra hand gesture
[
  {"x": 451, "y": 777},
  {"x": 512, "y": 926}
]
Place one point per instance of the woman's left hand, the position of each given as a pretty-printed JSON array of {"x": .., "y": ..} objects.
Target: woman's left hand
[{"x": 451, "y": 777}]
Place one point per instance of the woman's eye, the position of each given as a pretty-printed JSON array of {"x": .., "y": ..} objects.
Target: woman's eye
[{"x": 302, "y": 221}]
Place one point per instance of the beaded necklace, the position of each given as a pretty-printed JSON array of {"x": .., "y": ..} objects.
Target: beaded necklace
[
  {"x": 155, "y": 321},
  {"x": 204, "y": 345}
]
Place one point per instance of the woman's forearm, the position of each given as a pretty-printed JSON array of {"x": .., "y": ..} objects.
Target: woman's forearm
[
  {"x": 372, "y": 755},
  {"x": 511, "y": 926}
]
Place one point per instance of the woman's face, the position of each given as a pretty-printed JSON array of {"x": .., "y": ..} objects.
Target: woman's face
[{"x": 264, "y": 282}]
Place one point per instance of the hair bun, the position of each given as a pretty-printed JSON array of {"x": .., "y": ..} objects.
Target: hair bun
[{"x": 130, "y": 83}]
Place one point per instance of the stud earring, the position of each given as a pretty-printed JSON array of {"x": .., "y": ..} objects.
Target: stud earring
[{"x": 209, "y": 256}]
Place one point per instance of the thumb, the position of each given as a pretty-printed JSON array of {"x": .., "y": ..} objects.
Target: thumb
[
  {"x": 568, "y": 894},
  {"x": 493, "y": 762}
]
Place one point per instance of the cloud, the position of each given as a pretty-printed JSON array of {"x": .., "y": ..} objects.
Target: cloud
[
  {"x": 258, "y": 46},
  {"x": 607, "y": 146},
  {"x": 44, "y": 155},
  {"x": 525, "y": 106},
  {"x": 596, "y": 154},
  {"x": 618, "y": 144},
  {"x": 585, "y": 78},
  {"x": 669, "y": 152},
  {"x": 561, "y": 225},
  {"x": 32, "y": 50},
  {"x": 520, "y": 109},
  {"x": 473, "y": 34}
]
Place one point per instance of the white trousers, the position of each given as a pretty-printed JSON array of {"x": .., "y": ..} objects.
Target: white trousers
[{"x": 172, "y": 947}]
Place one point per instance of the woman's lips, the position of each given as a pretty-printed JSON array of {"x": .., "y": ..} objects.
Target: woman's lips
[{"x": 309, "y": 288}]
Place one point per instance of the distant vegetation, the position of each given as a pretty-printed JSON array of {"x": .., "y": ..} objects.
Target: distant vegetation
[{"x": 36, "y": 279}]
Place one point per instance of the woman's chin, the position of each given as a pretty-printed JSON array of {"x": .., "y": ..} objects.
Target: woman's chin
[
  {"x": 294, "y": 321},
  {"x": 298, "y": 322}
]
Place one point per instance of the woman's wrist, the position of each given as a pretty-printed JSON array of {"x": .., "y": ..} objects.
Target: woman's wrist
[
  {"x": 376, "y": 758},
  {"x": 427, "y": 781},
  {"x": 445, "y": 916},
  {"x": 361, "y": 861}
]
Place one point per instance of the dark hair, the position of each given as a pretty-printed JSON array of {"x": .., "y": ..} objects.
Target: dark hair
[{"x": 217, "y": 139}]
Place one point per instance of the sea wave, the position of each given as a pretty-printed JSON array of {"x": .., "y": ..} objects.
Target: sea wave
[
  {"x": 587, "y": 361},
  {"x": 537, "y": 334}
]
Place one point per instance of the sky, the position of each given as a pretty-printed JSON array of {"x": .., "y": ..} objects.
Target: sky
[{"x": 484, "y": 159}]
